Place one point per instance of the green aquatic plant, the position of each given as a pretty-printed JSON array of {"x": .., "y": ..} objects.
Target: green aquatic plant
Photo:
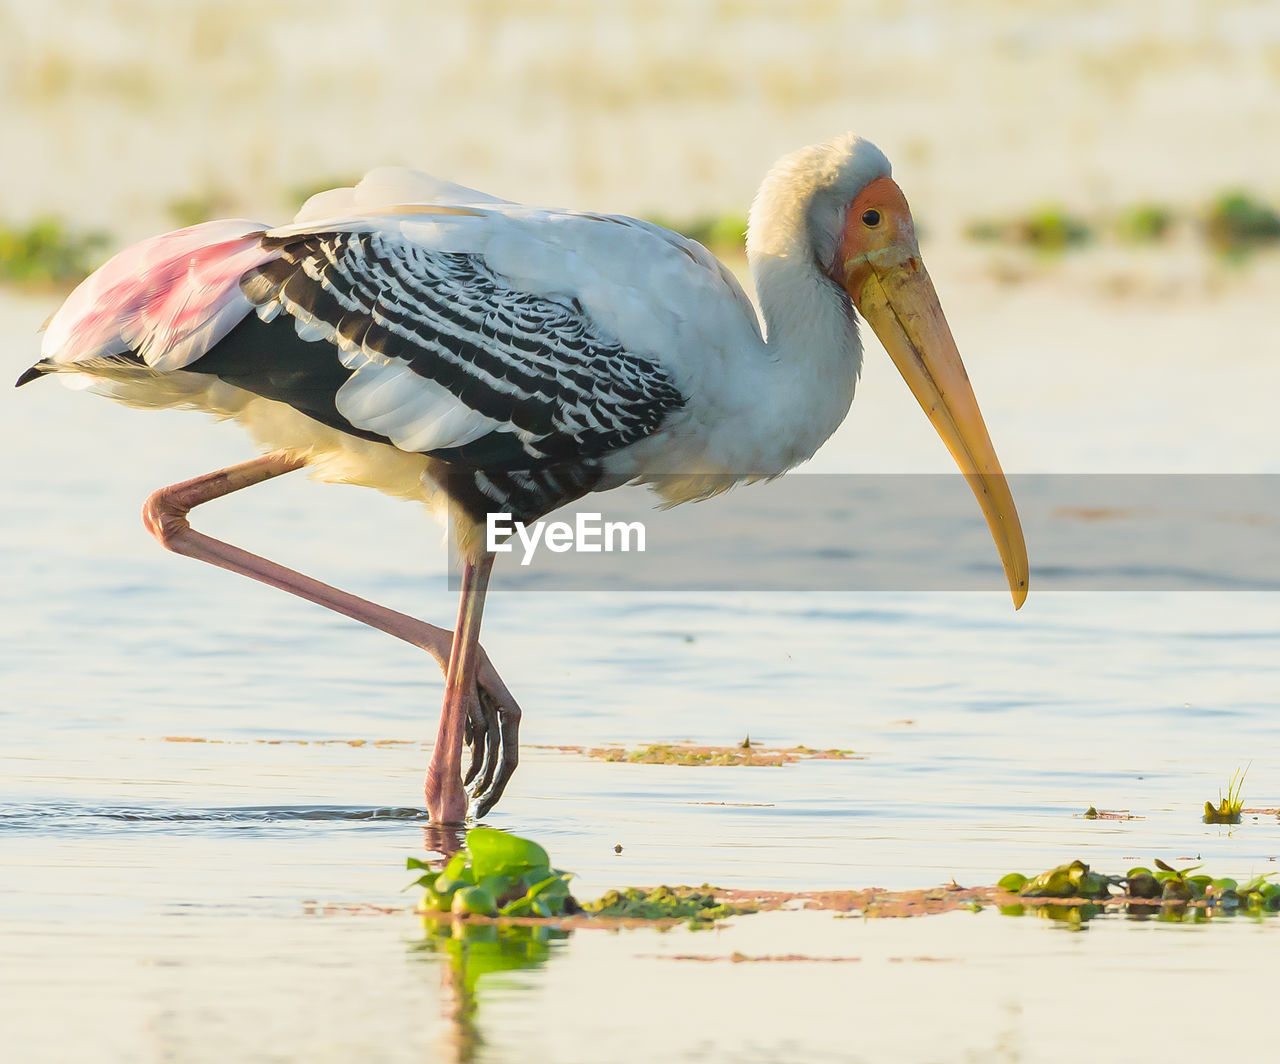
[
  {"x": 1228, "y": 809},
  {"x": 1165, "y": 886},
  {"x": 1255, "y": 895},
  {"x": 47, "y": 252},
  {"x": 1222, "y": 892},
  {"x": 495, "y": 874},
  {"x": 698, "y": 905},
  {"x": 500, "y": 874},
  {"x": 1074, "y": 880}
]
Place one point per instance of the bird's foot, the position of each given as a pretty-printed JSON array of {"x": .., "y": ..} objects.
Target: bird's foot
[
  {"x": 492, "y": 734},
  {"x": 447, "y": 805}
]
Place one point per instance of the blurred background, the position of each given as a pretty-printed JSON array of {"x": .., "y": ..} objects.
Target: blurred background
[{"x": 129, "y": 115}]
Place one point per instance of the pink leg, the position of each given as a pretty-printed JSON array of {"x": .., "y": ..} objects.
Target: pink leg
[
  {"x": 489, "y": 709},
  {"x": 461, "y": 697}
]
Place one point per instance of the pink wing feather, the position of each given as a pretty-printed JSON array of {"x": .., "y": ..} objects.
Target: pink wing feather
[{"x": 170, "y": 298}]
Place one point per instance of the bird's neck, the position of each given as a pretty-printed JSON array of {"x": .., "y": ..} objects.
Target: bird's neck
[{"x": 814, "y": 355}]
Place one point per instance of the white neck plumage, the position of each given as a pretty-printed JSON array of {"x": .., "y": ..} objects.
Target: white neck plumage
[
  {"x": 815, "y": 354},
  {"x": 813, "y": 348}
]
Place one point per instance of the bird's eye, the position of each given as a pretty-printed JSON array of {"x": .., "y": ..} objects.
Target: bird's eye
[{"x": 871, "y": 218}]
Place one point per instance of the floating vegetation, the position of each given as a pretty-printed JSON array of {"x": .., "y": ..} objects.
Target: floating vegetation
[
  {"x": 1110, "y": 814},
  {"x": 1170, "y": 893},
  {"x": 1179, "y": 886},
  {"x": 46, "y": 252},
  {"x": 499, "y": 880},
  {"x": 379, "y": 743},
  {"x": 745, "y": 753},
  {"x": 495, "y": 874},
  {"x": 1050, "y": 229},
  {"x": 501, "y": 875},
  {"x": 1073, "y": 880},
  {"x": 698, "y": 905},
  {"x": 1228, "y": 809}
]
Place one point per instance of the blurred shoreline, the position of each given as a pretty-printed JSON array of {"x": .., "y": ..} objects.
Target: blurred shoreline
[{"x": 121, "y": 109}]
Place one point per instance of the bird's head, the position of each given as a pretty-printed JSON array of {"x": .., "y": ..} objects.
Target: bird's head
[{"x": 863, "y": 236}]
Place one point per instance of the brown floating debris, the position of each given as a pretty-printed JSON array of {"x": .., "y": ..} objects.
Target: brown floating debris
[
  {"x": 1110, "y": 814},
  {"x": 287, "y": 742},
  {"x": 701, "y": 755}
]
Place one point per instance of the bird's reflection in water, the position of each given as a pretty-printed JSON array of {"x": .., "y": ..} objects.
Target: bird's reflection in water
[
  {"x": 443, "y": 839},
  {"x": 471, "y": 950}
]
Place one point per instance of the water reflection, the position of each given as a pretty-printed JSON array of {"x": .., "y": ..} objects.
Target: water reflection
[
  {"x": 443, "y": 839},
  {"x": 47, "y": 816},
  {"x": 470, "y": 951},
  {"x": 1075, "y": 916}
]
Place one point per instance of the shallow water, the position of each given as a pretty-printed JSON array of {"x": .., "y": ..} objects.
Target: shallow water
[{"x": 192, "y": 765}]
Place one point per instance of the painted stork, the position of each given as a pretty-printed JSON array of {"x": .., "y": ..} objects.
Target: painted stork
[{"x": 444, "y": 345}]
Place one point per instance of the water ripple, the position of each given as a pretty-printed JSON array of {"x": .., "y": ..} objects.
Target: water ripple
[{"x": 44, "y": 817}]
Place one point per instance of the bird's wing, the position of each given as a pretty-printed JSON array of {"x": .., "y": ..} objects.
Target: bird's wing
[
  {"x": 387, "y": 186},
  {"x": 167, "y": 300},
  {"x": 451, "y": 357},
  {"x": 483, "y": 332}
]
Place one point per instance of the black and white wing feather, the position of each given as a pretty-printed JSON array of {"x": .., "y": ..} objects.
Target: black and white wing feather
[{"x": 447, "y": 358}]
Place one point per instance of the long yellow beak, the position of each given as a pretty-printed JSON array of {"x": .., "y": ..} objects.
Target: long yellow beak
[{"x": 899, "y": 302}]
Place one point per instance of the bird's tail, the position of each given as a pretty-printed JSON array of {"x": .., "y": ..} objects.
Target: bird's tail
[
  {"x": 35, "y": 372},
  {"x": 163, "y": 302}
]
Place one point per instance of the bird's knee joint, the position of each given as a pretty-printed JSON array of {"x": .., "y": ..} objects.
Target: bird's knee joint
[{"x": 164, "y": 519}]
